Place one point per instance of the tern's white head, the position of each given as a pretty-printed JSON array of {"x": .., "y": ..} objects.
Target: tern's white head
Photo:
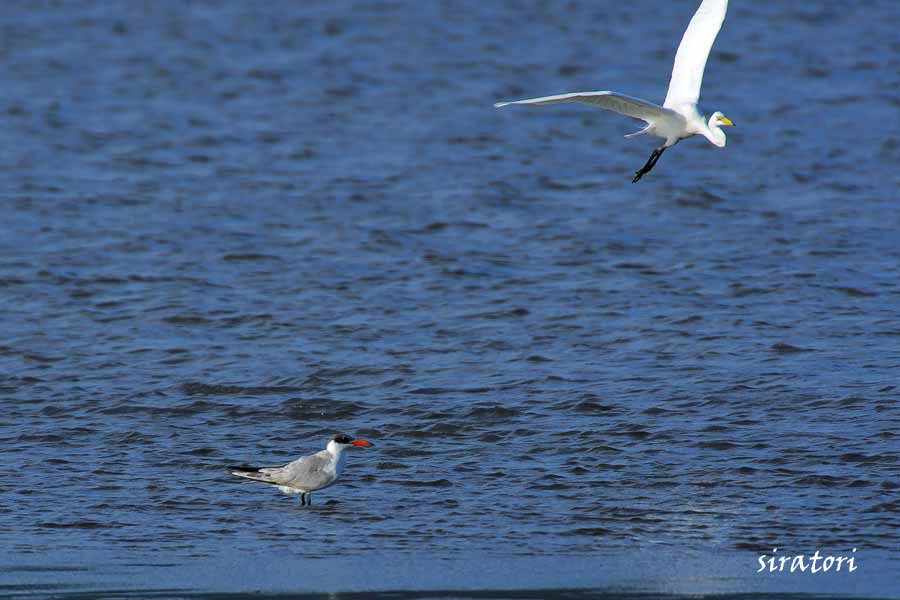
[
  {"x": 716, "y": 135},
  {"x": 342, "y": 441}
]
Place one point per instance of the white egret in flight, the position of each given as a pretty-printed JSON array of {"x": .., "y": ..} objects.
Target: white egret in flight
[{"x": 678, "y": 117}]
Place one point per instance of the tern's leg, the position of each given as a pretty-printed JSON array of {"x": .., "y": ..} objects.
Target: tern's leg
[
  {"x": 651, "y": 162},
  {"x": 309, "y": 498},
  {"x": 303, "y": 499}
]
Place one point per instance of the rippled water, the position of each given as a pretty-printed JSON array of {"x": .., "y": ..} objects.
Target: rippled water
[{"x": 231, "y": 230}]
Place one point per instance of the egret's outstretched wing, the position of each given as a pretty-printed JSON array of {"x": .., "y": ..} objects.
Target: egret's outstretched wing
[
  {"x": 690, "y": 60},
  {"x": 620, "y": 103}
]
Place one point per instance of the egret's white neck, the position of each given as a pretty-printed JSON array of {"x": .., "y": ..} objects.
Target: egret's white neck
[{"x": 714, "y": 133}]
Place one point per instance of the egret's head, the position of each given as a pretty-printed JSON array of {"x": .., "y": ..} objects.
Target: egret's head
[
  {"x": 719, "y": 119},
  {"x": 714, "y": 131}
]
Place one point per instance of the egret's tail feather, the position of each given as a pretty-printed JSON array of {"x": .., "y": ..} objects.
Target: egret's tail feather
[{"x": 637, "y": 133}]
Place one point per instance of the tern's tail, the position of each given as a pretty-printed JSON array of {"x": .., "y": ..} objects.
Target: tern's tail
[{"x": 255, "y": 473}]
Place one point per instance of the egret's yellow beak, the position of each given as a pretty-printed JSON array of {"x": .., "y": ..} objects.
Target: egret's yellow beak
[{"x": 723, "y": 120}]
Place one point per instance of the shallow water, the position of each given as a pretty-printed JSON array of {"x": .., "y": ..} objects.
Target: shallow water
[{"x": 231, "y": 232}]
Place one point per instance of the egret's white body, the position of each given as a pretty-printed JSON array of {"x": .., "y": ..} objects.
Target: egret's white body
[{"x": 678, "y": 117}]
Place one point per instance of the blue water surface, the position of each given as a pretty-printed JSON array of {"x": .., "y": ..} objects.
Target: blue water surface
[{"x": 231, "y": 230}]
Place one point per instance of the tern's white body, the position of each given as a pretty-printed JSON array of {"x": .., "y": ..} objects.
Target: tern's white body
[{"x": 678, "y": 117}]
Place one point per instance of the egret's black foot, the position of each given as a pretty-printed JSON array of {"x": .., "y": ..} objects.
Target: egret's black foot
[{"x": 651, "y": 162}]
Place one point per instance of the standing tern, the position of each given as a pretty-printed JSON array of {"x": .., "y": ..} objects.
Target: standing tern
[
  {"x": 308, "y": 473},
  {"x": 678, "y": 117}
]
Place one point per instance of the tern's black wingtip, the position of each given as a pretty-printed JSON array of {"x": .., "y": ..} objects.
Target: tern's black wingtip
[{"x": 245, "y": 468}]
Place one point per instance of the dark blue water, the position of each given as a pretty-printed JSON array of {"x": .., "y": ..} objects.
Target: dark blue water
[{"x": 230, "y": 230}]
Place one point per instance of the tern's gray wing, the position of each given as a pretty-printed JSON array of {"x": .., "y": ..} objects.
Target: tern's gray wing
[{"x": 308, "y": 473}]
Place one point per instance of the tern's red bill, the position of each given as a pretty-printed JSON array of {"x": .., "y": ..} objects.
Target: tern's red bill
[{"x": 362, "y": 443}]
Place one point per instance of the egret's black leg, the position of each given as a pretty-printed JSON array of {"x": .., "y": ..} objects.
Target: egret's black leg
[{"x": 651, "y": 162}]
